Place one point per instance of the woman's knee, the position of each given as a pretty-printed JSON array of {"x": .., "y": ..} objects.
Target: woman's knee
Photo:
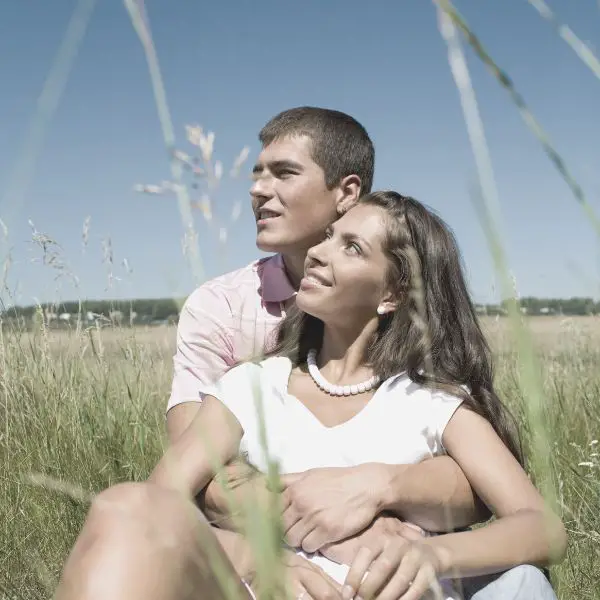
[{"x": 141, "y": 507}]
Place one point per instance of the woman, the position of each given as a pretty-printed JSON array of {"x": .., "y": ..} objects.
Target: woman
[{"x": 385, "y": 344}]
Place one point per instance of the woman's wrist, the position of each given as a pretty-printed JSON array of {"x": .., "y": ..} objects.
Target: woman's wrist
[{"x": 443, "y": 555}]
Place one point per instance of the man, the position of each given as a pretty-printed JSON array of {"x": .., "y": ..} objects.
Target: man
[{"x": 314, "y": 165}]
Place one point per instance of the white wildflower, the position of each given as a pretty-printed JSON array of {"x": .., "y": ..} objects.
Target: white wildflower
[
  {"x": 218, "y": 170},
  {"x": 194, "y": 134},
  {"x": 239, "y": 161},
  {"x": 182, "y": 156},
  {"x": 204, "y": 206},
  {"x": 126, "y": 266},
  {"x": 206, "y": 145},
  {"x": 148, "y": 189},
  {"x": 236, "y": 211}
]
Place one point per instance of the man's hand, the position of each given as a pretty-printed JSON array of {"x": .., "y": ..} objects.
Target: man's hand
[
  {"x": 322, "y": 506},
  {"x": 384, "y": 530}
]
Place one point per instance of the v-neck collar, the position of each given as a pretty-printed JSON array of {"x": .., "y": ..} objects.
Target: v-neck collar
[{"x": 286, "y": 374}]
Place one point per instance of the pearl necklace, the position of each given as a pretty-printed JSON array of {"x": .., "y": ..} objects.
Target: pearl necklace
[{"x": 337, "y": 390}]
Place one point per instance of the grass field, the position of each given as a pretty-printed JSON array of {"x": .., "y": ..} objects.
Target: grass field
[{"x": 86, "y": 411}]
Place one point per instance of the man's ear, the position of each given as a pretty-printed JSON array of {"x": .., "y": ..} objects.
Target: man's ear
[{"x": 348, "y": 193}]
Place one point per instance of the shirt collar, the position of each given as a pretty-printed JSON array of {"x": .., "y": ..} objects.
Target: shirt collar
[{"x": 274, "y": 283}]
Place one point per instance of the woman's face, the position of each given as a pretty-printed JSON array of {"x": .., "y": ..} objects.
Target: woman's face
[{"x": 345, "y": 275}]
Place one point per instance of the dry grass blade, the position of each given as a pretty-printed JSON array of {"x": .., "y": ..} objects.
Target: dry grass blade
[
  {"x": 46, "y": 106},
  {"x": 71, "y": 490},
  {"x": 580, "y": 48},
  {"x": 506, "y": 82},
  {"x": 142, "y": 27}
]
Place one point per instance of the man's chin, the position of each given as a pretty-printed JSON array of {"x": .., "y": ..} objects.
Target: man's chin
[{"x": 270, "y": 243}]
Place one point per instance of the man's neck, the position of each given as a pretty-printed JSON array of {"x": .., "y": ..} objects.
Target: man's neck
[{"x": 294, "y": 268}]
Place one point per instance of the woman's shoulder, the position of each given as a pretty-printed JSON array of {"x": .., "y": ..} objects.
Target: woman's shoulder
[{"x": 403, "y": 384}]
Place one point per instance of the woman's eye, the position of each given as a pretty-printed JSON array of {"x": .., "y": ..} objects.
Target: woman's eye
[{"x": 354, "y": 248}]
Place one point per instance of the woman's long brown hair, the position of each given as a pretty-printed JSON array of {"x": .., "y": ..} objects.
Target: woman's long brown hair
[{"x": 434, "y": 336}]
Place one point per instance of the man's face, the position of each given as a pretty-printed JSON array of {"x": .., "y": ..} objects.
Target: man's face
[{"x": 291, "y": 202}]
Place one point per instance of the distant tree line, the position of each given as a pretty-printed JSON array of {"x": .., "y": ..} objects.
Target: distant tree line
[
  {"x": 533, "y": 306},
  {"x": 166, "y": 310},
  {"x": 123, "y": 312}
]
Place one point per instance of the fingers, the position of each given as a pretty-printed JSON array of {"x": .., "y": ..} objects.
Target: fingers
[
  {"x": 314, "y": 540},
  {"x": 357, "y": 573},
  {"x": 297, "y": 533},
  {"x": 289, "y": 514},
  {"x": 400, "y": 571},
  {"x": 302, "y": 594},
  {"x": 387, "y": 566},
  {"x": 424, "y": 581},
  {"x": 409, "y": 573},
  {"x": 410, "y": 532},
  {"x": 316, "y": 584}
]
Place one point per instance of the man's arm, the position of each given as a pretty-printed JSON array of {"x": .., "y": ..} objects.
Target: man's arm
[
  {"x": 434, "y": 494},
  {"x": 203, "y": 355},
  {"x": 425, "y": 494},
  {"x": 326, "y": 505}
]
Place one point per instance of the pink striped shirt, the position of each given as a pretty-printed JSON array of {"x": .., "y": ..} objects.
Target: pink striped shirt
[{"x": 226, "y": 320}]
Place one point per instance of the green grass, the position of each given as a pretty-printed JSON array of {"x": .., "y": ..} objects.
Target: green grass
[{"x": 86, "y": 411}]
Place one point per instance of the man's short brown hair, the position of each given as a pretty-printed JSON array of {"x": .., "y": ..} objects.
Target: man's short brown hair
[{"x": 341, "y": 146}]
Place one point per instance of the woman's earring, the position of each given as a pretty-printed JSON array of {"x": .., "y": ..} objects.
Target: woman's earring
[{"x": 380, "y": 310}]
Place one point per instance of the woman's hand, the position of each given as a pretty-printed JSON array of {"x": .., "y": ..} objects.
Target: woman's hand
[
  {"x": 402, "y": 570},
  {"x": 383, "y": 530}
]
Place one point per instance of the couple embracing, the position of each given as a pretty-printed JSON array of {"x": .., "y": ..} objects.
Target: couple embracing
[{"x": 354, "y": 355}]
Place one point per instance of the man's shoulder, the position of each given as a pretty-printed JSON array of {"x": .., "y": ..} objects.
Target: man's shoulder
[
  {"x": 237, "y": 283},
  {"x": 246, "y": 275}
]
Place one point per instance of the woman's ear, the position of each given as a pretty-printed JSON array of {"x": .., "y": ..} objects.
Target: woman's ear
[{"x": 390, "y": 302}]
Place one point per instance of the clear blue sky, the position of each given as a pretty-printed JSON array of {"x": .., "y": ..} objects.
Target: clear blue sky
[{"x": 229, "y": 66}]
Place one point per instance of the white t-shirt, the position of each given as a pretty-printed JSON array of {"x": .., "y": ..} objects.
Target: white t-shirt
[{"x": 403, "y": 423}]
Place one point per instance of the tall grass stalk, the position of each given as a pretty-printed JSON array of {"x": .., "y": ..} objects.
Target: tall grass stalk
[
  {"x": 581, "y": 49},
  {"x": 532, "y": 124},
  {"x": 529, "y": 369},
  {"x": 141, "y": 24},
  {"x": 46, "y": 106}
]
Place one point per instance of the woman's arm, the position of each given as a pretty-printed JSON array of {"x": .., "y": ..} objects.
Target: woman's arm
[
  {"x": 525, "y": 531},
  {"x": 210, "y": 441}
]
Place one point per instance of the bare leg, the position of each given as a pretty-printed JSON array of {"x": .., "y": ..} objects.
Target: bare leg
[{"x": 143, "y": 542}]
